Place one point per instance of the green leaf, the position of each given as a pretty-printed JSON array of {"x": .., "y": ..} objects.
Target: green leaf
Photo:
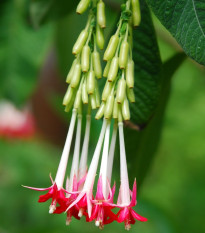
[
  {"x": 185, "y": 19},
  {"x": 43, "y": 11},
  {"x": 22, "y": 51},
  {"x": 147, "y": 69},
  {"x": 144, "y": 144}
]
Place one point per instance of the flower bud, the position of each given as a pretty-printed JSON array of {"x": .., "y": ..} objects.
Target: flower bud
[
  {"x": 125, "y": 110},
  {"x": 82, "y": 6},
  {"x": 80, "y": 42},
  {"x": 115, "y": 109},
  {"x": 121, "y": 88},
  {"x": 130, "y": 95},
  {"x": 100, "y": 37},
  {"x": 101, "y": 19},
  {"x": 68, "y": 95},
  {"x": 123, "y": 57},
  {"x": 76, "y": 76},
  {"x": 100, "y": 111},
  {"x": 136, "y": 16},
  {"x": 97, "y": 95},
  {"x": 84, "y": 93},
  {"x": 70, "y": 104},
  {"x": 107, "y": 68},
  {"x": 78, "y": 99},
  {"x": 93, "y": 101},
  {"x": 130, "y": 74},
  {"x": 109, "y": 107},
  {"x": 111, "y": 48},
  {"x": 70, "y": 73},
  {"x": 96, "y": 64},
  {"x": 112, "y": 74},
  {"x": 85, "y": 58},
  {"x": 91, "y": 82},
  {"x": 106, "y": 91}
]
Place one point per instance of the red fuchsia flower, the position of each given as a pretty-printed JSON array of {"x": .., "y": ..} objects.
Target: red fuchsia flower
[
  {"x": 85, "y": 197},
  {"x": 126, "y": 214},
  {"x": 56, "y": 190},
  {"x": 15, "y": 123}
]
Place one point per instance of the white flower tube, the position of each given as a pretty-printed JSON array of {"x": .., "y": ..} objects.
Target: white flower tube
[
  {"x": 84, "y": 153},
  {"x": 124, "y": 188},
  {"x": 60, "y": 175},
  {"x": 74, "y": 167}
]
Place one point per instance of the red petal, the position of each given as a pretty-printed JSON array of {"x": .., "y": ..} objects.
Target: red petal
[{"x": 137, "y": 216}]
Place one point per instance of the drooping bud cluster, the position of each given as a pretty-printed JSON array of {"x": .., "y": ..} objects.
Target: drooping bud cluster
[
  {"x": 119, "y": 70},
  {"x": 78, "y": 199}
]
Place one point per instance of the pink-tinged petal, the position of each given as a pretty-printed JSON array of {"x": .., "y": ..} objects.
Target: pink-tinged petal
[
  {"x": 37, "y": 189},
  {"x": 82, "y": 180},
  {"x": 111, "y": 193},
  {"x": 119, "y": 200},
  {"x": 89, "y": 206},
  {"x": 79, "y": 197},
  {"x": 99, "y": 193},
  {"x": 75, "y": 184},
  {"x": 51, "y": 179},
  {"x": 134, "y": 195},
  {"x": 137, "y": 216},
  {"x": 94, "y": 213},
  {"x": 123, "y": 214}
]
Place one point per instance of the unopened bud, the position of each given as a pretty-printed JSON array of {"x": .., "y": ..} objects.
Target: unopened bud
[
  {"x": 112, "y": 74},
  {"x": 101, "y": 19},
  {"x": 80, "y": 42},
  {"x": 70, "y": 73},
  {"x": 100, "y": 111},
  {"x": 76, "y": 76},
  {"x": 109, "y": 107},
  {"x": 100, "y": 40},
  {"x": 123, "y": 57},
  {"x": 84, "y": 93},
  {"x": 85, "y": 58},
  {"x": 91, "y": 82},
  {"x": 96, "y": 64},
  {"x": 106, "y": 91},
  {"x": 125, "y": 110},
  {"x": 68, "y": 95},
  {"x": 82, "y": 6},
  {"x": 115, "y": 109},
  {"x": 97, "y": 95},
  {"x": 70, "y": 104},
  {"x": 78, "y": 99},
  {"x": 111, "y": 48},
  {"x": 136, "y": 15},
  {"x": 130, "y": 95},
  {"x": 121, "y": 89},
  {"x": 130, "y": 74},
  {"x": 93, "y": 101},
  {"x": 107, "y": 68}
]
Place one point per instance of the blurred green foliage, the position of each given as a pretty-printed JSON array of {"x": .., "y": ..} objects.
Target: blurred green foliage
[{"x": 172, "y": 194}]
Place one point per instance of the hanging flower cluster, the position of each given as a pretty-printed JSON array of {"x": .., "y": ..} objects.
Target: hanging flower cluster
[{"x": 78, "y": 198}]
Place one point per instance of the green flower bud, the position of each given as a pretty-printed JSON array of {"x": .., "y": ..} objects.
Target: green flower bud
[
  {"x": 92, "y": 101},
  {"x": 85, "y": 58},
  {"x": 100, "y": 40},
  {"x": 130, "y": 74},
  {"x": 101, "y": 19},
  {"x": 130, "y": 95},
  {"x": 136, "y": 15},
  {"x": 112, "y": 74},
  {"x": 84, "y": 93},
  {"x": 100, "y": 111},
  {"x": 106, "y": 91},
  {"x": 68, "y": 95},
  {"x": 120, "y": 114},
  {"x": 78, "y": 99},
  {"x": 80, "y": 42},
  {"x": 70, "y": 73},
  {"x": 76, "y": 76},
  {"x": 97, "y": 65},
  {"x": 70, "y": 104},
  {"x": 111, "y": 48},
  {"x": 97, "y": 95},
  {"x": 91, "y": 82},
  {"x": 115, "y": 109},
  {"x": 82, "y": 6},
  {"x": 125, "y": 110},
  {"x": 109, "y": 107},
  {"x": 107, "y": 68},
  {"x": 123, "y": 57},
  {"x": 121, "y": 89}
]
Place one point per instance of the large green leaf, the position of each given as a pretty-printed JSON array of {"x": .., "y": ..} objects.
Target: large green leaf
[
  {"x": 145, "y": 143},
  {"x": 147, "y": 69},
  {"x": 43, "y": 11},
  {"x": 22, "y": 51},
  {"x": 185, "y": 19}
]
